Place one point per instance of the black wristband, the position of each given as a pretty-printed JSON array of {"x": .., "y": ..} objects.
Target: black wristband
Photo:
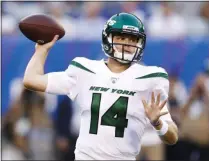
[{"x": 155, "y": 123}]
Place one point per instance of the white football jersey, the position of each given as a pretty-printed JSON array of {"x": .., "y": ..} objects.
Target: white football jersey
[{"x": 111, "y": 112}]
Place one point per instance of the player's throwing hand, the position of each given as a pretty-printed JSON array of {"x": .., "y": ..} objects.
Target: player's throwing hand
[
  {"x": 48, "y": 45},
  {"x": 153, "y": 111}
]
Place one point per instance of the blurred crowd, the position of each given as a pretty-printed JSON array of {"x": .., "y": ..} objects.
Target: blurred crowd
[
  {"x": 40, "y": 126},
  {"x": 30, "y": 129},
  {"x": 85, "y": 20}
]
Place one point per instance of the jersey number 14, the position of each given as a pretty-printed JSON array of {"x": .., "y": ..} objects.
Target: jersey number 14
[{"x": 114, "y": 116}]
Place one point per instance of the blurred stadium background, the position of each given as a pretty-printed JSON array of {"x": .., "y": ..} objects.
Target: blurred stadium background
[{"x": 41, "y": 126}]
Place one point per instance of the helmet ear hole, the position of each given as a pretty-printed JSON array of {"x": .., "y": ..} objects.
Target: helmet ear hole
[{"x": 107, "y": 46}]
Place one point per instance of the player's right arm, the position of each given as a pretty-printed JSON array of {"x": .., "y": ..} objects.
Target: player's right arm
[
  {"x": 63, "y": 83},
  {"x": 34, "y": 77}
]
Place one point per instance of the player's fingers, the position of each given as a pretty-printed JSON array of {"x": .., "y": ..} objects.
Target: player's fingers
[
  {"x": 53, "y": 40},
  {"x": 163, "y": 113},
  {"x": 153, "y": 98},
  {"x": 163, "y": 104},
  {"x": 144, "y": 103},
  {"x": 158, "y": 99}
]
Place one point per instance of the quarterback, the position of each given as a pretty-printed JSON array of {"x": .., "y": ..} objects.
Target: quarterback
[{"x": 118, "y": 97}]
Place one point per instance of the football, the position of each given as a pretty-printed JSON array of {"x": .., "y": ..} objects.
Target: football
[{"x": 41, "y": 28}]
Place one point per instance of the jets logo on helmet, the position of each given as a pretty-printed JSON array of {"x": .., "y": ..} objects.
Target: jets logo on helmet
[
  {"x": 111, "y": 22},
  {"x": 125, "y": 23}
]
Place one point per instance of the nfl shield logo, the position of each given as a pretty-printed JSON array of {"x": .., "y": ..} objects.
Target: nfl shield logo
[{"x": 114, "y": 80}]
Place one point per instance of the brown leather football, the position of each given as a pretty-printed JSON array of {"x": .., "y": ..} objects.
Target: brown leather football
[{"x": 41, "y": 28}]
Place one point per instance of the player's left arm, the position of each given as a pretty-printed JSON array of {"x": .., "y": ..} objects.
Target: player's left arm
[
  {"x": 158, "y": 114},
  {"x": 169, "y": 134},
  {"x": 160, "y": 119}
]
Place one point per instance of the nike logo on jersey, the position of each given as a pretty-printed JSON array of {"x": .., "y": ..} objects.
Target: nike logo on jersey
[{"x": 118, "y": 91}]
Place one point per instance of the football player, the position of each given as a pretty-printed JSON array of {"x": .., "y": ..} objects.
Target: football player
[{"x": 118, "y": 98}]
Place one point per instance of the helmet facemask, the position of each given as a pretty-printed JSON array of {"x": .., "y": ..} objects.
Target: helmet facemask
[{"x": 125, "y": 56}]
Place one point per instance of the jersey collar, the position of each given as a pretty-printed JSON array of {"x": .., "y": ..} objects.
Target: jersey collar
[{"x": 107, "y": 70}]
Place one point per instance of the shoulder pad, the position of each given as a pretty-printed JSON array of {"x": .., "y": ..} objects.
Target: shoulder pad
[
  {"x": 83, "y": 64},
  {"x": 152, "y": 72}
]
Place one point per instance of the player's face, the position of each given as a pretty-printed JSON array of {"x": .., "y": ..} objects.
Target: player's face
[{"x": 126, "y": 40}]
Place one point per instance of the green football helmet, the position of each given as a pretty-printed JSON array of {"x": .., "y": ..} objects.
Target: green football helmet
[{"x": 123, "y": 23}]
